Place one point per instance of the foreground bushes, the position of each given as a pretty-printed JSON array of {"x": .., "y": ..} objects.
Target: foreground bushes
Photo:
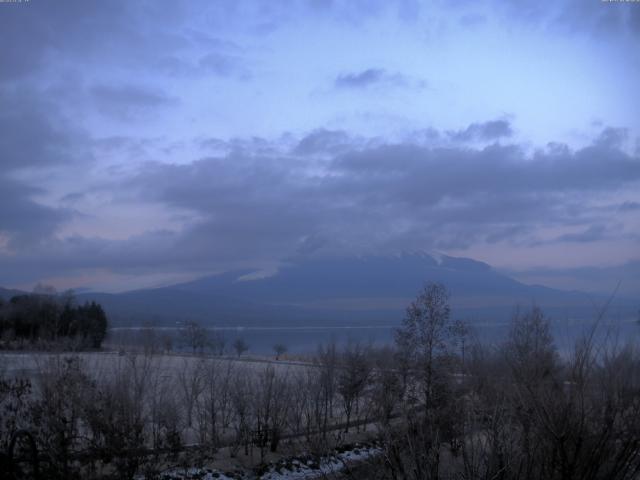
[
  {"x": 443, "y": 406},
  {"x": 89, "y": 422},
  {"x": 512, "y": 411}
]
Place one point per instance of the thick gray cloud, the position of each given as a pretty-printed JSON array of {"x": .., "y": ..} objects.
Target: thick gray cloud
[
  {"x": 386, "y": 198},
  {"x": 34, "y": 136},
  {"x": 33, "y": 131},
  {"x": 493, "y": 169},
  {"x": 23, "y": 220},
  {"x": 264, "y": 202}
]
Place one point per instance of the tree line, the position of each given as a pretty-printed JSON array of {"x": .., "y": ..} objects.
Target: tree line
[{"x": 43, "y": 320}]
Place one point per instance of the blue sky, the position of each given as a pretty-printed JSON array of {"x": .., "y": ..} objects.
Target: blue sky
[{"x": 148, "y": 142}]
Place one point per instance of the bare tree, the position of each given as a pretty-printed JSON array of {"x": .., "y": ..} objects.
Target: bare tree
[
  {"x": 270, "y": 407},
  {"x": 327, "y": 358},
  {"x": 57, "y": 413},
  {"x": 353, "y": 378},
  {"x": 429, "y": 407},
  {"x": 279, "y": 349},
  {"x": 530, "y": 350},
  {"x": 299, "y": 401},
  {"x": 460, "y": 332},
  {"x": 576, "y": 419},
  {"x": 241, "y": 392},
  {"x": 149, "y": 339},
  {"x": 191, "y": 381},
  {"x": 214, "y": 405},
  {"x": 386, "y": 388},
  {"x": 425, "y": 339},
  {"x": 194, "y": 336},
  {"x": 240, "y": 346},
  {"x": 116, "y": 416},
  {"x": 218, "y": 343},
  {"x": 167, "y": 342}
]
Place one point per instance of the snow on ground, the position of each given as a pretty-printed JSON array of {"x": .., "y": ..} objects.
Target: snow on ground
[
  {"x": 290, "y": 470},
  {"x": 301, "y": 468}
]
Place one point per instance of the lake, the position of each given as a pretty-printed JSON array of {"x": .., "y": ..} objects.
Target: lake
[{"x": 306, "y": 339}]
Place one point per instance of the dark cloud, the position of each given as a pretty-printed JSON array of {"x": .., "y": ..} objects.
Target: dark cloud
[
  {"x": 34, "y": 136},
  {"x": 33, "y": 131},
  {"x": 370, "y": 77},
  {"x": 494, "y": 169},
  {"x": 128, "y": 101},
  {"x": 491, "y": 130},
  {"x": 224, "y": 65},
  {"x": 361, "y": 79},
  {"x": 75, "y": 254},
  {"x": 394, "y": 196},
  {"x": 22, "y": 220}
]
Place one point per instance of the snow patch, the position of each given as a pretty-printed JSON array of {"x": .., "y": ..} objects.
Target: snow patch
[{"x": 285, "y": 469}]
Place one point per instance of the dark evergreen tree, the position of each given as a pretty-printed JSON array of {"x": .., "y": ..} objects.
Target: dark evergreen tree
[{"x": 35, "y": 317}]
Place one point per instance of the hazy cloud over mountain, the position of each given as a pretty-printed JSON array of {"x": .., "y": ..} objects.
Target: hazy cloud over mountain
[{"x": 147, "y": 140}]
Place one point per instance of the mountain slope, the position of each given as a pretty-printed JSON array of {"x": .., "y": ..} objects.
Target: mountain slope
[{"x": 354, "y": 290}]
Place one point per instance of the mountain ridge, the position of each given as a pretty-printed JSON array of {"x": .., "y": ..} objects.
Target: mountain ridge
[{"x": 341, "y": 290}]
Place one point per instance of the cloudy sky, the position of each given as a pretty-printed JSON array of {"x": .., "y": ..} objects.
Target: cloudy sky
[{"x": 143, "y": 143}]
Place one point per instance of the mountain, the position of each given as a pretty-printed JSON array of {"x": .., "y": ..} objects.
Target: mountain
[{"x": 344, "y": 291}]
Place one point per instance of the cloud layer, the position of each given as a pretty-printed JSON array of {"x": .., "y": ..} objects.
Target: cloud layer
[{"x": 328, "y": 194}]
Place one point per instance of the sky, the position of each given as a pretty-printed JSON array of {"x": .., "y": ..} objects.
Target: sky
[{"x": 148, "y": 142}]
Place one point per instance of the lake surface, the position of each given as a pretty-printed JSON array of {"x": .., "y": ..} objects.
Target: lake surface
[{"x": 306, "y": 339}]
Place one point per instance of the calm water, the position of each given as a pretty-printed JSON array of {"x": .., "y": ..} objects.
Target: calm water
[{"x": 307, "y": 339}]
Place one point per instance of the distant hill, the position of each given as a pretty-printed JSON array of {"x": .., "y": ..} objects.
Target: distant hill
[
  {"x": 344, "y": 291},
  {"x": 6, "y": 294}
]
